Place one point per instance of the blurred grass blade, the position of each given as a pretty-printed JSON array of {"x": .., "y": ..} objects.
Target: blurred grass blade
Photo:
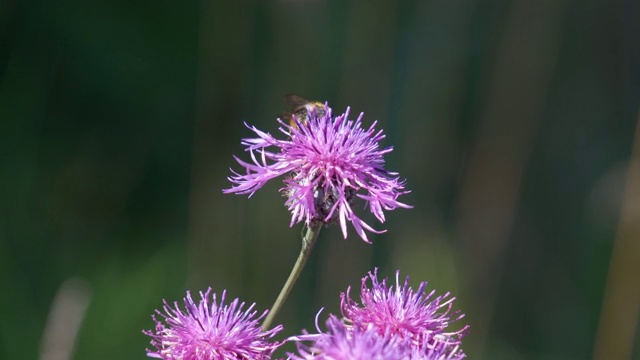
[
  {"x": 621, "y": 302},
  {"x": 65, "y": 318}
]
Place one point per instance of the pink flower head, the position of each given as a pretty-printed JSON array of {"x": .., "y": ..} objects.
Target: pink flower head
[
  {"x": 344, "y": 342},
  {"x": 340, "y": 342},
  {"x": 422, "y": 318},
  {"x": 328, "y": 162},
  {"x": 210, "y": 331}
]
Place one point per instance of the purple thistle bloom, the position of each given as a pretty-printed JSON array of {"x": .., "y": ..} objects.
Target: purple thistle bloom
[
  {"x": 211, "y": 331},
  {"x": 422, "y": 318},
  {"x": 328, "y": 161},
  {"x": 343, "y": 343}
]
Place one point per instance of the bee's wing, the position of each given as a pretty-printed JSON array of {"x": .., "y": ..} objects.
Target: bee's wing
[
  {"x": 295, "y": 101},
  {"x": 285, "y": 116}
]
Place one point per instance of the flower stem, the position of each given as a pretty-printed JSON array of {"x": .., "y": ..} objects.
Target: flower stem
[{"x": 308, "y": 240}]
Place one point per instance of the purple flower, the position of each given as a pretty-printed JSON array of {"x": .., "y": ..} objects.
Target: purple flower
[
  {"x": 342, "y": 343},
  {"x": 211, "y": 331},
  {"x": 422, "y": 318},
  {"x": 328, "y": 162}
]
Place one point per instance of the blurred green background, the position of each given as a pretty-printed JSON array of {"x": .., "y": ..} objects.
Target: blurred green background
[{"x": 512, "y": 121}]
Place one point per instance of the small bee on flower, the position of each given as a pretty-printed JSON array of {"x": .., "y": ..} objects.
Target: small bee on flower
[{"x": 302, "y": 109}]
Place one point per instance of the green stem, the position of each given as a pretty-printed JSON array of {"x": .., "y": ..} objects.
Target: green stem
[{"x": 308, "y": 240}]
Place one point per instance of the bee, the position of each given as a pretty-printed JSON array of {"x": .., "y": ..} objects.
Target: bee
[
  {"x": 324, "y": 201},
  {"x": 302, "y": 109}
]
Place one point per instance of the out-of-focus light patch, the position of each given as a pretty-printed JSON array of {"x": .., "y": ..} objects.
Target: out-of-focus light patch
[{"x": 65, "y": 318}]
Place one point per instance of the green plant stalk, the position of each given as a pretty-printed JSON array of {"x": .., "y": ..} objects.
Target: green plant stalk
[{"x": 308, "y": 240}]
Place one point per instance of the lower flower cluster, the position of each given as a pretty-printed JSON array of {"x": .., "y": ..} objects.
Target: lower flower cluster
[{"x": 389, "y": 323}]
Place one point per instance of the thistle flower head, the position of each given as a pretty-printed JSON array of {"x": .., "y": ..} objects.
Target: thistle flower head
[
  {"x": 421, "y": 317},
  {"x": 327, "y": 162},
  {"x": 342, "y": 343},
  {"x": 211, "y": 331}
]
